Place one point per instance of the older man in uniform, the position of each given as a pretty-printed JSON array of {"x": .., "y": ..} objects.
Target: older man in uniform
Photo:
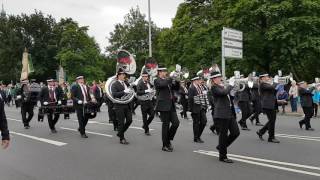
[{"x": 224, "y": 114}]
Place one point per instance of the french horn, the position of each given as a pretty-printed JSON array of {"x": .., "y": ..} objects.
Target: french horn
[{"x": 125, "y": 61}]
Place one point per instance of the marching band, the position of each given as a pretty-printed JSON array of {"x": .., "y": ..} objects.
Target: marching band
[{"x": 158, "y": 91}]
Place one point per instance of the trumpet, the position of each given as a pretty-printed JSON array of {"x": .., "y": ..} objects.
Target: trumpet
[
  {"x": 179, "y": 73},
  {"x": 283, "y": 80}
]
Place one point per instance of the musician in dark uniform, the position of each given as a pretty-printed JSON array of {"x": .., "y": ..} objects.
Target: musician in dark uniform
[
  {"x": 243, "y": 98},
  {"x": 165, "y": 104},
  {"x": 224, "y": 114},
  {"x": 123, "y": 111},
  {"x": 269, "y": 106},
  {"x": 183, "y": 91},
  {"x": 98, "y": 94},
  {"x": 112, "y": 114},
  {"x": 3, "y": 122},
  {"x": 256, "y": 102},
  {"x": 198, "y": 108},
  {"x": 65, "y": 91},
  {"x": 147, "y": 108},
  {"x": 51, "y": 95},
  {"x": 80, "y": 95},
  {"x": 305, "y": 94},
  {"x": 27, "y": 106}
]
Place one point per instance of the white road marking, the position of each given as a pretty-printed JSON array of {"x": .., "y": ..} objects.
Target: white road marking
[
  {"x": 245, "y": 160},
  {"x": 107, "y": 124},
  {"x": 291, "y": 135},
  {"x": 56, "y": 143},
  {"x": 89, "y": 132},
  {"x": 268, "y": 161},
  {"x": 11, "y": 119},
  {"x": 301, "y": 138}
]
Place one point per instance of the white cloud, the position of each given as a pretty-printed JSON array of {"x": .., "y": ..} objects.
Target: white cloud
[{"x": 99, "y": 15}]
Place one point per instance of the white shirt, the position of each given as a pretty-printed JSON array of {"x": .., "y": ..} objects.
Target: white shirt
[
  {"x": 84, "y": 92},
  {"x": 123, "y": 84}
]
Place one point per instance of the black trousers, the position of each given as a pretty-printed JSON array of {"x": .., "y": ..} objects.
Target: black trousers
[
  {"x": 124, "y": 118},
  {"x": 245, "y": 111},
  {"x": 82, "y": 120},
  {"x": 199, "y": 123},
  {"x": 27, "y": 113},
  {"x": 147, "y": 109},
  {"x": 184, "y": 104},
  {"x": 308, "y": 113},
  {"x": 52, "y": 120},
  {"x": 256, "y": 111},
  {"x": 168, "y": 132},
  {"x": 315, "y": 109},
  {"x": 225, "y": 139},
  {"x": 112, "y": 116},
  {"x": 215, "y": 125},
  {"x": 270, "y": 125}
]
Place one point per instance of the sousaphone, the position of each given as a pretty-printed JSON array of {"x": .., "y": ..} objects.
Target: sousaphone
[{"x": 125, "y": 61}]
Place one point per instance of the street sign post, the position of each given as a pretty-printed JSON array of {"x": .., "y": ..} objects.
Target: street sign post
[{"x": 232, "y": 46}]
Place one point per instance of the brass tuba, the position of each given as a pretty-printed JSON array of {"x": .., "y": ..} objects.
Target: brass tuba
[{"x": 125, "y": 61}]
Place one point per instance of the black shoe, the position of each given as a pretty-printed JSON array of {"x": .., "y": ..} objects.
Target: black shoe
[
  {"x": 218, "y": 148},
  {"x": 300, "y": 124},
  {"x": 27, "y": 127},
  {"x": 273, "y": 140},
  {"x": 225, "y": 160},
  {"x": 245, "y": 128},
  {"x": 310, "y": 129},
  {"x": 124, "y": 141},
  {"x": 84, "y": 136},
  {"x": 147, "y": 133},
  {"x": 181, "y": 114},
  {"x": 259, "y": 124},
  {"x": 167, "y": 149},
  {"x": 212, "y": 128},
  {"x": 53, "y": 131},
  {"x": 260, "y": 135},
  {"x": 198, "y": 141}
]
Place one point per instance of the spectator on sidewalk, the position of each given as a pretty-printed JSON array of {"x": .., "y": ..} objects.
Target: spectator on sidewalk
[
  {"x": 316, "y": 100},
  {"x": 293, "y": 95},
  {"x": 282, "y": 97}
]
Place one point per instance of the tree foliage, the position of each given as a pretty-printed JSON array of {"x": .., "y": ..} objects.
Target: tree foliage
[
  {"x": 281, "y": 34},
  {"x": 50, "y": 43}
]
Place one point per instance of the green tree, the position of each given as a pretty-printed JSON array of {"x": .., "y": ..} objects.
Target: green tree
[
  {"x": 132, "y": 35},
  {"x": 79, "y": 53}
]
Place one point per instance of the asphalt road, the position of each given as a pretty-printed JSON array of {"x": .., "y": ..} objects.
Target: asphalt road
[{"x": 36, "y": 154}]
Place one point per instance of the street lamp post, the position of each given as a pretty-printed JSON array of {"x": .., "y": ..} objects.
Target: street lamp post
[{"x": 150, "y": 41}]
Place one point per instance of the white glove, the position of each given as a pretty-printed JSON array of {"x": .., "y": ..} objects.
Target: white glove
[
  {"x": 127, "y": 91},
  {"x": 45, "y": 103},
  {"x": 250, "y": 84},
  {"x": 204, "y": 92},
  {"x": 276, "y": 79},
  {"x": 80, "y": 102},
  {"x": 291, "y": 79},
  {"x": 232, "y": 81},
  {"x": 148, "y": 91},
  {"x": 59, "y": 102},
  {"x": 18, "y": 97}
]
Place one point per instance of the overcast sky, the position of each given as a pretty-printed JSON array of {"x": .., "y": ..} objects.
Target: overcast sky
[{"x": 99, "y": 15}]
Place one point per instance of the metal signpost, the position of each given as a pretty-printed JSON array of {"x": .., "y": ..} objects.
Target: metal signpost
[{"x": 231, "y": 46}]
